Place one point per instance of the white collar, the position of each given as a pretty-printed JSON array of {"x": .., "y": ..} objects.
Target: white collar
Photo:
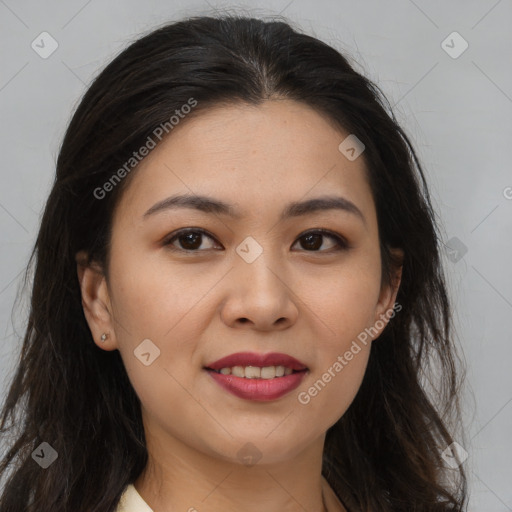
[{"x": 131, "y": 501}]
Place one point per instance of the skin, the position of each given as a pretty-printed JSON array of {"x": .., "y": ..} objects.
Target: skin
[{"x": 307, "y": 302}]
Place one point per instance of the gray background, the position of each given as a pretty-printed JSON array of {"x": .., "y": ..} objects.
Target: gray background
[{"x": 457, "y": 111}]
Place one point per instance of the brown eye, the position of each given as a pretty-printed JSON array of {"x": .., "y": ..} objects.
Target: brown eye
[
  {"x": 313, "y": 241},
  {"x": 188, "y": 239}
]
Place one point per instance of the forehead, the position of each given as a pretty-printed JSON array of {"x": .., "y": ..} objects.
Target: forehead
[{"x": 277, "y": 151}]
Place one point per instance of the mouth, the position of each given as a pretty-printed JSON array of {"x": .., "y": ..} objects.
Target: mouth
[
  {"x": 260, "y": 377},
  {"x": 251, "y": 365}
]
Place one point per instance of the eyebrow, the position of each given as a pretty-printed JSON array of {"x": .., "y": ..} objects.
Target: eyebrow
[{"x": 294, "y": 209}]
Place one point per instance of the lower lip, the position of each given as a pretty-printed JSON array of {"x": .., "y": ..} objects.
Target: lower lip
[{"x": 262, "y": 390}]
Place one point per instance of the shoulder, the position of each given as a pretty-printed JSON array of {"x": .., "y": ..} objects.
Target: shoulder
[{"x": 131, "y": 501}]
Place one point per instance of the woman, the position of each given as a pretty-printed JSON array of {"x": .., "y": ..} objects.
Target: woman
[{"x": 237, "y": 292}]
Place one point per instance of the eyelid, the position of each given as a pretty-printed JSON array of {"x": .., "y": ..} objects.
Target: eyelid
[
  {"x": 341, "y": 241},
  {"x": 183, "y": 231}
]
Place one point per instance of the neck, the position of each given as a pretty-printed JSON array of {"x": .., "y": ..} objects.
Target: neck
[{"x": 178, "y": 477}]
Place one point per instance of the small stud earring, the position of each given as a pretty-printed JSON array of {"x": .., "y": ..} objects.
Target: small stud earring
[{"x": 104, "y": 336}]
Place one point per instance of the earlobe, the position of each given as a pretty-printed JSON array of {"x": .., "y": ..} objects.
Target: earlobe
[{"x": 96, "y": 302}]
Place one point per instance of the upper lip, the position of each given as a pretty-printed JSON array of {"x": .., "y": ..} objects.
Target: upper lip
[{"x": 255, "y": 359}]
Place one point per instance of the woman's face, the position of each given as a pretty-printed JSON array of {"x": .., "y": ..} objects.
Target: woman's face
[{"x": 251, "y": 282}]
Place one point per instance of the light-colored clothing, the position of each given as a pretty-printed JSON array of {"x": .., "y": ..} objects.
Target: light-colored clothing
[{"x": 131, "y": 501}]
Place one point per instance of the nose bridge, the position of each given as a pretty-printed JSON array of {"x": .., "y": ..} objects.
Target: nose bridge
[
  {"x": 259, "y": 292},
  {"x": 257, "y": 263}
]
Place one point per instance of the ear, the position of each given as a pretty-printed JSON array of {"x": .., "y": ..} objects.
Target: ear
[
  {"x": 96, "y": 301},
  {"x": 385, "y": 307}
]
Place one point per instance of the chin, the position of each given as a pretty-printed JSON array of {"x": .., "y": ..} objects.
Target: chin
[{"x": 261, "y": 449}]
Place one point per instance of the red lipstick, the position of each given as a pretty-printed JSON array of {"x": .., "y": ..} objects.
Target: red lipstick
[
  {"x": 260, "y": 360},
  {"x": 258, "y": 389}
]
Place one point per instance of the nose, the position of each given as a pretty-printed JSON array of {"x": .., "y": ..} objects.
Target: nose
[{"x": 260, "y": 296}]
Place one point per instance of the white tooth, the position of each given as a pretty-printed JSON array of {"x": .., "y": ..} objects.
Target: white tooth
[
  {"x": 255, "y": 372},
  {"x": 268, "y": 372},
  {"x": 238, "y": 371},
  {"x": 252, "y": 372}
]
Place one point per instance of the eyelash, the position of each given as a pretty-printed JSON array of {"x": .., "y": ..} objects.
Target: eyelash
[{"x": 340, "y": 241}]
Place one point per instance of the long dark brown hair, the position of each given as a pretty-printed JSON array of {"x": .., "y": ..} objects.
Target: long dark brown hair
[{"x": 384, "y": 454}]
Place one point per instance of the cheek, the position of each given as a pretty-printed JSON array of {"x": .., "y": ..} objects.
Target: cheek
[
  {"x": 328, "y": 393},
  {"x": 153, "y": 299},
  {"x": 346, "y": 307},
  {"x": 166, "y": 310},
  {"x": 345, "y": 301}
]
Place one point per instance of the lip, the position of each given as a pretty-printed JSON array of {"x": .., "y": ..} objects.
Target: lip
[
  {"x": 262, "y": 390},
  {"x": 255, "y": 359}
]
